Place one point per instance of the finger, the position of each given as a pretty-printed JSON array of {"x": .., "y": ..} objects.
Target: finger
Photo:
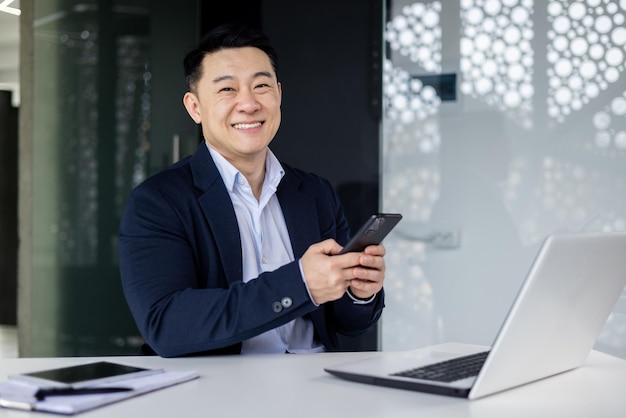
[
  {"x": 364, "y": 289},
  {"x": 368, "y": 275},
  {"x": 328, "y": 247},
  {"x": 365, "y": 285},
  {"x": 376, "y": 250},
  {"x": 373, "y": 262},
  {"x": 348, "y": 260}
]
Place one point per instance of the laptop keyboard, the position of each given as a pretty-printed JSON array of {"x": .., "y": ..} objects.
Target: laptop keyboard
[{"x": 449, "y": 370}]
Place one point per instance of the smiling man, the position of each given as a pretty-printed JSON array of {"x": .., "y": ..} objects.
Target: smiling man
[{"x": 229, "y": 250}]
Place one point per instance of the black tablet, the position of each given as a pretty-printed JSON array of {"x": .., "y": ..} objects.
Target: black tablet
[{"x": 83, "y": 375}]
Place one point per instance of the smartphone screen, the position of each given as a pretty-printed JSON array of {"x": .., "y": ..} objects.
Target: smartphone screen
[
  {"x": 83, "y": 374},
  {"x": 373, "y": 231}
]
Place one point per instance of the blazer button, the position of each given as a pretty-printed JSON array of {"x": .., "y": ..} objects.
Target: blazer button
[
  {"x": 286, "y": 302},
  {"x": 277, "y": 307}
]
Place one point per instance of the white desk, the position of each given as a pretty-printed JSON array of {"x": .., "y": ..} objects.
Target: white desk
[{"x": 297, "y": 386}]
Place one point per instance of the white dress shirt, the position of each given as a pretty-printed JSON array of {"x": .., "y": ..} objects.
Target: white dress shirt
[{"x": 265, "y": 247}]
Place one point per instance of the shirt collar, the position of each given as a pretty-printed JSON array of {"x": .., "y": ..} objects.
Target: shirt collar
[{"x": 273, "y": 170}]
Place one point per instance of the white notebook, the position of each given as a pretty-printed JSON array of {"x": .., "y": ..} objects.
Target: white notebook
[{"x": 16, "y": 394}]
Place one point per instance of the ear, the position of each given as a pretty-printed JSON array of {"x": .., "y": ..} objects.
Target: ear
[
  {"x": 192, "y": 104},
  {"x": 280, "y": 92}
]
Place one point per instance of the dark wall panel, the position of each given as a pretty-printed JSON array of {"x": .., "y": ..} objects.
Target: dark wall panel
[
  {"x": 330, "y": 70},
  {"x": 329, "y": 67},
  {"x": 8, "y": 210}
]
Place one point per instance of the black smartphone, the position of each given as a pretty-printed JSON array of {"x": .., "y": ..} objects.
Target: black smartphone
[{"x": 373, "y": 231}]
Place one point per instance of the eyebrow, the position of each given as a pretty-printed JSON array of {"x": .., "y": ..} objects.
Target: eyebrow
[{"x": 230, "y": 77}]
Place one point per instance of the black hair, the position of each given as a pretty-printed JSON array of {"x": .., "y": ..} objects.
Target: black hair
[{"x": 227, "y": 36}]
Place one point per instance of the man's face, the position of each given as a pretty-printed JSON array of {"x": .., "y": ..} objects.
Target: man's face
[{"x": 237, "y": 101}]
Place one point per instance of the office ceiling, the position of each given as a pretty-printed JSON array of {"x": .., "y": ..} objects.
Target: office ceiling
[{"x": 9, "y": 51}]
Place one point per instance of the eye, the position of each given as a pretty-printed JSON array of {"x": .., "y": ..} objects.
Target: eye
[{"x": 226, "y": 89}]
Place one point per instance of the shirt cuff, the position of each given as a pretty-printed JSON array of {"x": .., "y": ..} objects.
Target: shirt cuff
[
  {"x": 359, "y": 301},
  {"x": 304, "y": 281}
]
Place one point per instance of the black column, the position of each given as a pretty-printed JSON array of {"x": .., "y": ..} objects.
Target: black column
[{"x": 8, "y": 210}]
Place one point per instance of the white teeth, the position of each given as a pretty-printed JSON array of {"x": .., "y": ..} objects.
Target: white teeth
[{"x": 246, "y": 125}]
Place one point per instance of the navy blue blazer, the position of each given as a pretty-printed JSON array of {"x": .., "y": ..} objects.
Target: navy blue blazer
[{"x": 181, "y": 262}]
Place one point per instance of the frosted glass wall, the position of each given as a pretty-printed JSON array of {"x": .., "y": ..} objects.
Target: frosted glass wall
[{"x": 527, "y": 140}]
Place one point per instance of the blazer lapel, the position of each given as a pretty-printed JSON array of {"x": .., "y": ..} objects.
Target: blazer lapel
[
  {"x": 219, "y": 212},
  {"x": 300, "y": 214}
]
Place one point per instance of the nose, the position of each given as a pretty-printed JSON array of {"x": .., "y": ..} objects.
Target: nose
[{"x": 248, "y": 102}]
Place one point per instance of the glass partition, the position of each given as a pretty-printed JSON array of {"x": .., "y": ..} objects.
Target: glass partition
[
  {"x": 504, "y": 122},
  {"x": 95, "y": 77}
]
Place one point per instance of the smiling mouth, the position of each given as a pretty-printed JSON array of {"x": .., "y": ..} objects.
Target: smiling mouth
[{"x": 247, "y": 125}]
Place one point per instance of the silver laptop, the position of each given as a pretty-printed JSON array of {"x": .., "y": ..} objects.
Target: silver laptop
[{"x": 552, "y": 326}]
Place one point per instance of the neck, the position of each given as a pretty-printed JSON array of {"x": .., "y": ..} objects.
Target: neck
[
  {"x": 254, "y": 172},
  {"x": 255, "y": 180}
]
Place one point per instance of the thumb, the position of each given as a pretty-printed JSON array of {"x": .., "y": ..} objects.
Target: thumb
[{"x": 328, "y": 247}]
